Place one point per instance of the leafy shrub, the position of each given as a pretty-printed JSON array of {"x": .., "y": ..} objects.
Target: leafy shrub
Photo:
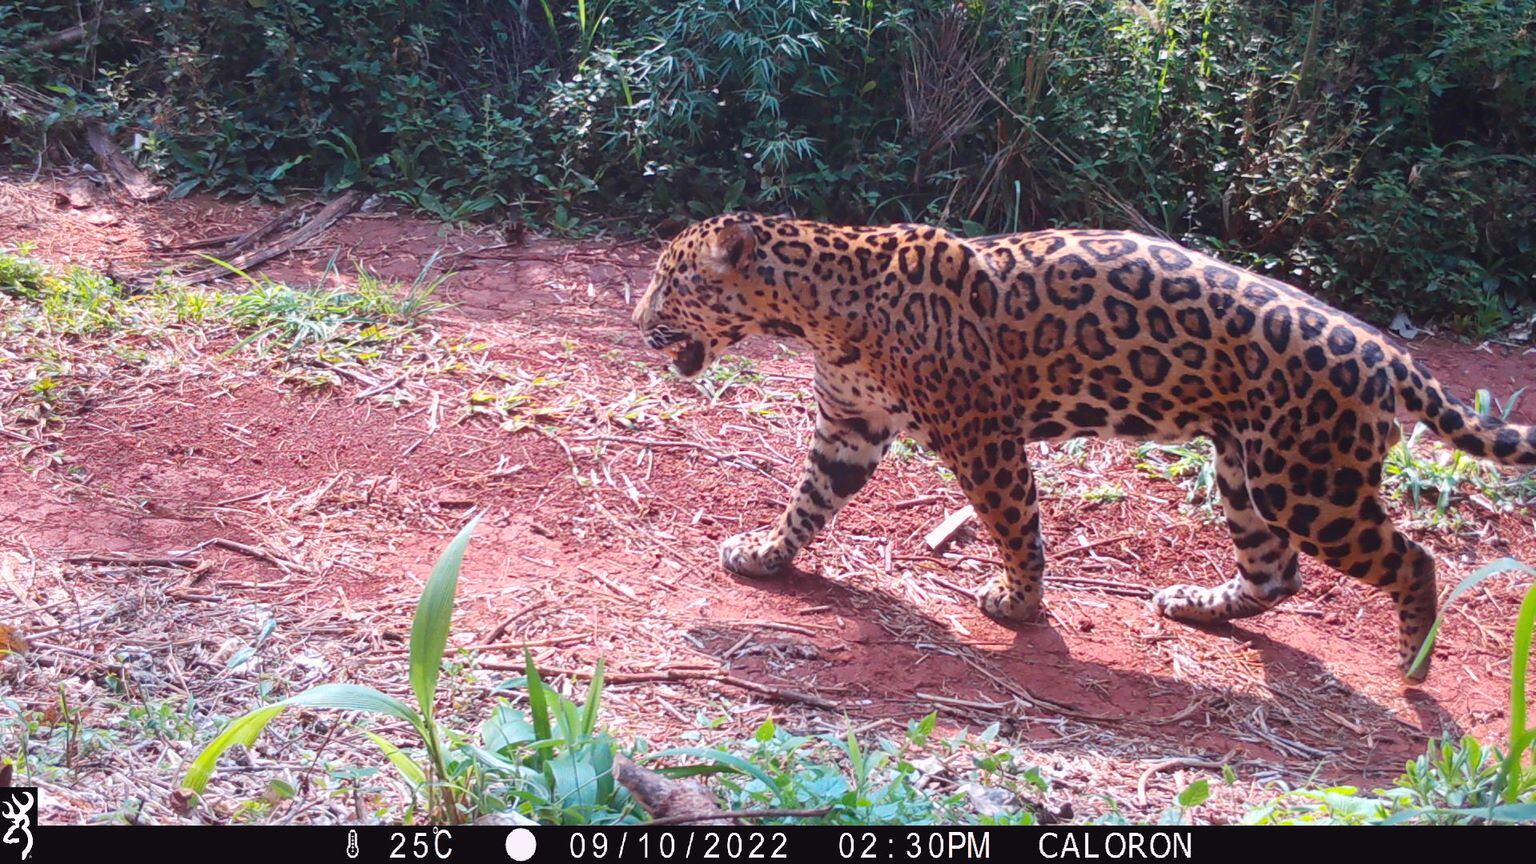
[
  {"x": 862, "y": 783},
  {"x": 1376, "y": 153}
]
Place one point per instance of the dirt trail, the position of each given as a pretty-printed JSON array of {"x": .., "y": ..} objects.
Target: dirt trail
[{"x": 600, "y": 539}]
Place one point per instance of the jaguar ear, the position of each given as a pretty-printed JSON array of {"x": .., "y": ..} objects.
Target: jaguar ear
[{"x": 731, "y": 248}]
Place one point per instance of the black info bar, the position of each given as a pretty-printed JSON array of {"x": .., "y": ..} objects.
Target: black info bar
[{"x": 734, "y": 844}]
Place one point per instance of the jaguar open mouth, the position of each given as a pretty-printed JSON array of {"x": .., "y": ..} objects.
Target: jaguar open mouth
[
  {"x": 687, "y": 352},
  {"x": 687, "y": 357}
]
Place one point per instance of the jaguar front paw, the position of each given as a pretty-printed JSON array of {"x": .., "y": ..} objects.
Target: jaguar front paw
[
  {"x": 1001, "y": 601},
  {"x": 1193, "y": 604},
  {"x": 1189, "y": 603},
  {"x": 755, "y": 553}
]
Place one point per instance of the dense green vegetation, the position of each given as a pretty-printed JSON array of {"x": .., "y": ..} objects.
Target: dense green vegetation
[{"x": 1375, "y": 152}]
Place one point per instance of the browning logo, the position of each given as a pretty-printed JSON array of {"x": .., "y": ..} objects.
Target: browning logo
[{"x": 18, "y": 812}]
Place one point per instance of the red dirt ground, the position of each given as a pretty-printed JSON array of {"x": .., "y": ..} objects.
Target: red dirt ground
[{"x": 608, "y": 548}]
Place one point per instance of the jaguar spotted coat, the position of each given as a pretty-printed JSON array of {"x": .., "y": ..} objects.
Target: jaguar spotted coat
[{"x": 977, "y": 346}]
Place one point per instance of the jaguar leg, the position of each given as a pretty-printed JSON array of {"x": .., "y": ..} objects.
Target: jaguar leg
[
  {"x": 844, "y": 454},
  {"x": 997, "y": 480},
  {"x": 1266, "y": 563}
]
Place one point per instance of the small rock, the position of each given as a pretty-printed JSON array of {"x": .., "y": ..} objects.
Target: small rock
[
  {"x": 79, "y": 193},
  {"x": 990, "y": 801},
  {"x": 227, "y": 650},
  {"x": 182, "y": 800},
  {"x": 930, "y": 766}
]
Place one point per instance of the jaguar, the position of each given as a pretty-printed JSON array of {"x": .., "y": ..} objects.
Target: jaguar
[{"x": 976, "y": 347}]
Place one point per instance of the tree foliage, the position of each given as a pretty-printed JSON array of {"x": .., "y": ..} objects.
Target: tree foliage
[{"x": 1378, "y": 153}]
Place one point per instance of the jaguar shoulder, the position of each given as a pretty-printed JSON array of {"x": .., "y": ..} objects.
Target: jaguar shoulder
[{"x": 978, "y": 346}]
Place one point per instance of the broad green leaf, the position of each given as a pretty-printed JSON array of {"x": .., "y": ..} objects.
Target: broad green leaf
[
  {"x": 929, "y": 723},
  {"x": 434, "y": 614},
  {"x": 567, "y": 717},
  {"x": 721, "y": 758},
  {"x": 856, "y": 762},
  {"x": 402, "y": 762},
  {"x": 594, "y": 698},
  {"x": 765, "y": 731},
  {"x": 574, "y": 778},
  {"x": 538, "y": 703},
  {"x": 1499, "y": 813},
  {"x": 601, "y": 750},
  {"x": 1195, "y": 794},
  {"x": 355, "y": 697},
  {"x": 1520, "y": 660},
  {"x": 244, "y": 730},
  {"x": 1520, "y": 736},
  {"x": 494, "y": 761},
  {"x": 506, "y": 728}
]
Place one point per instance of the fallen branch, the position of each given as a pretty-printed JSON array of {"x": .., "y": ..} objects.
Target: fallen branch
[
  {"x": 204, "y": 243},
  {"x": 122, "y": 170},
  {"x": 1086, "y": 546},
  {"x": 17, "y": 436},
  {"x": 329, "y": 215},
  {"x": 483, "y": 252},
  {"x": 738, "y": 456},
  {"x": 500, "y": 629},
  {"x": 381, "y": 388},
  {"x": 272, "y": 226},
  {"x": 1176, "y": 762},
  {"x": 349, "y": 374},
  {"x": 611, "y": 585},
  {"x": 129, "y": 559},
  {"x": 85, "y": 32},
  {"x": 668, "y": 800},
  {"x": 918, "y": 501},
  {"x": 67, "y": 37},
  {"x": 239, "y": 241},
  {"x": 279, "y": 562},
  {"x": 1124, "y": 589},
  {"x": 939, "y": 537},
  {"x": 1056, "y": 553},
  {"x": 78, "y": 193}
]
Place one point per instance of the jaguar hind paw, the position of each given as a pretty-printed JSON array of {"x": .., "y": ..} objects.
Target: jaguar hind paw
[
  {"x": 1000, "y": 601},
  {"x": 754, "y": 554}
]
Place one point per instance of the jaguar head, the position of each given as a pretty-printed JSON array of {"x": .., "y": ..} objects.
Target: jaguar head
[{"x": 705, "y": 294}]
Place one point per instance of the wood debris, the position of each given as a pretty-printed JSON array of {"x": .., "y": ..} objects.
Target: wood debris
[
  {"x": 940, "y": 537},
  {"x": 125, "y": 175},
  {"x": 329, "y": 215}
]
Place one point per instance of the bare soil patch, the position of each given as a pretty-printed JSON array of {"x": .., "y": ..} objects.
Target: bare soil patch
[{"x": 607, "y": 487}]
